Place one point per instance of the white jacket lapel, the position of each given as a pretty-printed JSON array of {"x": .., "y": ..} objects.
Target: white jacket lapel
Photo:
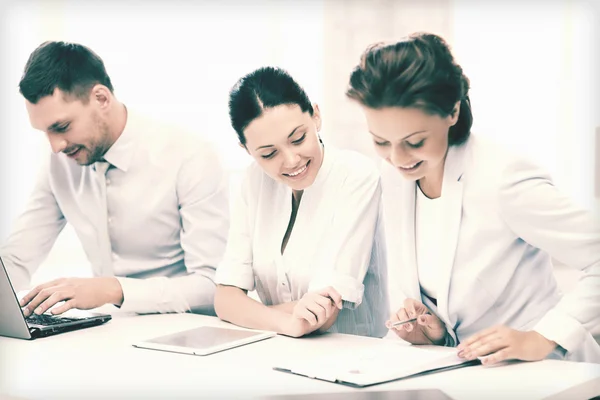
[
  {"x": 399, "y": 217},
  {"x": 452, "y": 193},
  {"x": 407, "y": 241}
]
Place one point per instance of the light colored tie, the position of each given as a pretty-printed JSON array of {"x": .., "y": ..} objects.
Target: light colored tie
[{"x": 101, "y": 168}]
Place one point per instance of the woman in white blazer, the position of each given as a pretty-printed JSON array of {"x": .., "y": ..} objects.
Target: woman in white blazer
[
  {"x": 471, "y": 227},
  {"x": 304, "y": 231}
]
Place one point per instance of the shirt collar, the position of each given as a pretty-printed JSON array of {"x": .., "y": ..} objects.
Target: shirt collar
[
  {"x": 121, "y": 152},
  {"x": 328, "y": 161}
]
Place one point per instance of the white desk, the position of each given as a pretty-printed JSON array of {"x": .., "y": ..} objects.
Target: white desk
[{"x": 100, "y": 363}]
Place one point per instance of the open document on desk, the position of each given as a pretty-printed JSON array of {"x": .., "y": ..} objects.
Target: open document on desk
[{"x": 389, "y": 361}]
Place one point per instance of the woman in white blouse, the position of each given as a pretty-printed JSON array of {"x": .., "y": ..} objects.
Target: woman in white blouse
[
  {"x": 471, "y": 226},
  {"x": 304, "y": 231}
]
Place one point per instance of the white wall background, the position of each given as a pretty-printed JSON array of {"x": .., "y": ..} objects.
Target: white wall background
[
  {"x": 533, "y": 70},
  {"x": 535, "y": 81}
]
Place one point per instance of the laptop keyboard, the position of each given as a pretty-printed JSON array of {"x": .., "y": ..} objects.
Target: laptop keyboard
[{"x": 47, "y": 320}]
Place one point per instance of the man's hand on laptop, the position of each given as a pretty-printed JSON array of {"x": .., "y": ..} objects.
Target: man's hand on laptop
[{"x": 81, "y": 293}]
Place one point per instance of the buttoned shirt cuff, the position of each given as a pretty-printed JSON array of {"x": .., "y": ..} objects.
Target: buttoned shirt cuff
[
  {"x": 561, "y": 328},
  {"x": 348, "y": 287},
  {"x": 228, "y": 276},
  {"x": 138, "y": 296}
]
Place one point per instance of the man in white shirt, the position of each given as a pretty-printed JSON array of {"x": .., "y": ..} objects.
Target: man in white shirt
[{"x": 148, "y": 201}]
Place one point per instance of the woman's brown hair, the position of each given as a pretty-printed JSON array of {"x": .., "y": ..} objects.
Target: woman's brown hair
[{"x": 417, "y": 72}]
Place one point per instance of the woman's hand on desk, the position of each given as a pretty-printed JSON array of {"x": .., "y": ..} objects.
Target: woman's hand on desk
[
  {"x": 81, "y": 293},
  {"x": 314, "y": 311},
  {"x": 427, "y": 329},
  {"x": 502, "y": 343}
]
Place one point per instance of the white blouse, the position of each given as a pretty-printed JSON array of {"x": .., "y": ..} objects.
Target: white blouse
[
  {"x": 336, "y": 241},
  {"x": 429, "y": 239}
]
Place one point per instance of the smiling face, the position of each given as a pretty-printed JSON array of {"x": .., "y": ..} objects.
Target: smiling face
[
  {"x": 412, "y": 141},
  {"x": 285, "y": 143},
  {"x": 79, "y": 130}
]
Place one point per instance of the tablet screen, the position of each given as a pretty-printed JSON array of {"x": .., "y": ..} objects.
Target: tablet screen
[{"x": 204, "y": 337}]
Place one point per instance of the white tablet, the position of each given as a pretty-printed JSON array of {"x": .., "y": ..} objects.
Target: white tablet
[{"x": 204, "y": 340}]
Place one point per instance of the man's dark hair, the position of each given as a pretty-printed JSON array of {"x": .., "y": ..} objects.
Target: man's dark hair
[{"x": 70, "y": 67}]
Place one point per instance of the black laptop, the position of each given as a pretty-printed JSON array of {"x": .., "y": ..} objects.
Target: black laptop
[{"x": 14, "y": 324}]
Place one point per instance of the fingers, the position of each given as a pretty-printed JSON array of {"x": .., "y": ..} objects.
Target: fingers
[
  {"x": 333, "y": 295},
  {"x": 477, "y": 337},
  {"x": 412, "y": 308},
  {"x": 25, "y": 300},
  {"x": 433, "y": 328},
  {"x": 400, "y": 330},
  {"x": 499, "y": 356},
  {"x": 485, "y": 346},
  {"x": 430, "y": 321},
  {"x": 318, "y": 306},
  {"x": 43, "y": 295},
  {"x": 484, "y": 343},
  {"x": 393, "y": 318},
  {"x": 318, "y": 311},
  {"x": 28, "y": 297},
  {"x": 415, "y": 307},
  {"x": 400, "y": 315},
  {"x": 409, "y": 306},
  {"x": 403, "y": 315},
  {"x": 327, "y": 304},
  {"x": 64, "y": 307},
  {"x": 303, "y": 313},
  {"x": 502, "y": 343},
  {"x": 50, "y": 301}
]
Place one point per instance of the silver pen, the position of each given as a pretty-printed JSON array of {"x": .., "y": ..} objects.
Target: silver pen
[{"x": 406, "y": 321}]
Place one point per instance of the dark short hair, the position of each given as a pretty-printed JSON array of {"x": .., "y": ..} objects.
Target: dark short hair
[
  {"x": 417, "y": 72},
  {"x": 70, "y": 67},
  {"x": 264, "y": 88}
]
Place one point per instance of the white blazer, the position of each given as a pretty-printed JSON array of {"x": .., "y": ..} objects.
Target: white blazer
[{"x": 505, "y": 221}]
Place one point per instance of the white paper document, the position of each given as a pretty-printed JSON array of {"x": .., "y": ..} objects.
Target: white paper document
[{"x": 375, "y": 364}]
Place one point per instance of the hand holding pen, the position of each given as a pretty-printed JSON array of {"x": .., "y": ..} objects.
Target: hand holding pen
[
  {"x": 406, "y": 321},
  {"x": 416, "y": 324}
]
